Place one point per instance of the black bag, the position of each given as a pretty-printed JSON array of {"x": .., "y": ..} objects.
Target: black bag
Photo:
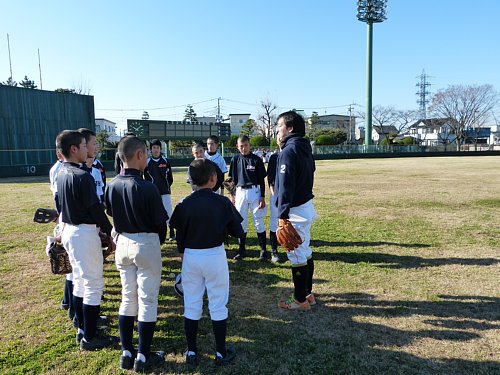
[{"x": 59, "y": 259}]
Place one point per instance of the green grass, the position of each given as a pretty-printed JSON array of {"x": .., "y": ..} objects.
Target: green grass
[{"x": 407, "y": 269}]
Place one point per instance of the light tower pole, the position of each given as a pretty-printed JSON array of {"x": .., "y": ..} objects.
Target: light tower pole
[{"x": 370, "y": 11}]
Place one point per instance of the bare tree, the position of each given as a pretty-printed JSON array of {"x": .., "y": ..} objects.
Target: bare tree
[
  {"x": 382, "y": 116},
  {"x": 266, "y": 118},
  {"x": 464, "y": 106},
  {"x": 404, "y": 118}
]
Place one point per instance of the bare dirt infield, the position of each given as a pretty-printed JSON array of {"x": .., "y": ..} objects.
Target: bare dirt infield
[{"x": 407, "y": 279}]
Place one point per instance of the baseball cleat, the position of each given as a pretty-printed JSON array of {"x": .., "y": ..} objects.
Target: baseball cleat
[
  {"x": 97, "y": 342},
  {"x": 222, "y": 361},
  {"x": 292, "y": 304},
  {"x": 126, "y": 362},
  {"x": 191, "y": 358},
  {"x": 275, "y": 257},
  {"x": 311, "y": 299},
  {"x": 156, "y": 359}
]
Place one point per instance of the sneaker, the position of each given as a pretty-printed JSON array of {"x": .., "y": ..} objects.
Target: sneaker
[
  {"x": 263, "y": 256},
  {"x": 79, "y": 337},
  {"x": 292, "y": 304},
  {"x": 275, "y": 257},
  {"x": 156, "y": 359},
  {"x": 311, "y": 299},
  {"x": 126, "y": 362},
  {"x": 173, "y": 238},
  {"x": 230, "y": 355},
  {"x": 64, "y": 306},
  {"x": 240, "y": 254},
  {"x": 191, "y": 359},
  {"x": 97, "y": 342}
]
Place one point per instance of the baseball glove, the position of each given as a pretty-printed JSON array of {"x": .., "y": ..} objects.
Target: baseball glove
[
  {"x": 59, "y": 259},
  {"x": 230, "y": 186},
  {"x": 45, "y": 215},
  {"x": 108, "y": 246},
  {"x": 287, "y": 235}
]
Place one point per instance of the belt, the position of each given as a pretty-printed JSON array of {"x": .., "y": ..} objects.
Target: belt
[{"x": 248, "y": 186}]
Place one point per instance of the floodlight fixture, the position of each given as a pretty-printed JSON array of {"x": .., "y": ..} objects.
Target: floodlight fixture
[{"x": 372, "y": 10}]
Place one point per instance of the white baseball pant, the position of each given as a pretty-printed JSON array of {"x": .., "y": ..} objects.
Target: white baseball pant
[
  {"x": 167, "y": 203},
  {"x": 138, "y": 259},
  {"x": 83, "y": 245},
  {"x": 246, "y": 199},
  {"x": 205, "y": 269},
  {"x": 302, "y": 217},
  {"x": 274, "y": 217}
]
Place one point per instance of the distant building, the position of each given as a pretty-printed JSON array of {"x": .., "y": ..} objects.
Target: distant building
[
  {"x": 345, "y": 123},
  {"x": 205, "y": 119},
  {"x": 237, "y": 120},
  {"x": 379, "y": 133},
  {"x": 432, "y": 132},
  {"x": 102, "y": 124}
]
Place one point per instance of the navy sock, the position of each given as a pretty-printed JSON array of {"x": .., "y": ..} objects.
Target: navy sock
[
  {"x": 90, "y": 316},
  {"x": 146, "y": 332},
  {"x": 262, "y": 240},
  {"x": 273, "y": 240},
  {"x": 68, "y": 288},
  {"x": 191, "y": 331},
  {"x": 300, "y": 276},
  {"x": 126, "y": 327},
  {"x": 67, "y": 293},
  {"x": 220, "y": 328},
  {"x": 310, "y": 266},
  {"x": 242, "y": 242},
  {"x": 78, "y": 306}
]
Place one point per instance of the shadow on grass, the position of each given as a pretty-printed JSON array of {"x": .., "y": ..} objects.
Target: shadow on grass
[
  {"x": 319, "y": 243},
  {"x": 402, "y": 261}
]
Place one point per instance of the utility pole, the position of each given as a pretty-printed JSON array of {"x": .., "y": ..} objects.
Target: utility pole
[
  {"x": 350, "y": 122},
  {"x": 10, "y": 62},
  {"x": 40, "y": 69}
]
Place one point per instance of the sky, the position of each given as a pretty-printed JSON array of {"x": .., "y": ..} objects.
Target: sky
[{"x": 159, "y": 56}]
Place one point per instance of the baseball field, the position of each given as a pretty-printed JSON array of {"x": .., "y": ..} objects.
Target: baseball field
[{"x": 407, "y": 281}]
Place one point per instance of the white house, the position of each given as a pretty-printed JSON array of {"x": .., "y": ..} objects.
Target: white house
[
  {"x": 102, "y": 124},
  {"x": 432, "y": 132}
]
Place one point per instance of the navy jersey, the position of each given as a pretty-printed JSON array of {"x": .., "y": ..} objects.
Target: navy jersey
[
  {"x": 135, "y": 204},
  {"x": 159, "y": 172},
  {"x": 78, "y": 199},
  {"x": 271, "y": 169},
  {"x": 248, "y": 170},
  {"x": 203, "y": 219},
  {"x": 294, "y": 174}
]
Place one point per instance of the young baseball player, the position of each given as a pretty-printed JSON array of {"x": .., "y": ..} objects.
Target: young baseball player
[
  {"x": 159, "y": 172},
  {"x": 213, "y": 155},
  {"x": 293, "y": 188},
  {"x": 81, "y": 215},
  {"x": 54, "y": 170},
  {"x": 198, "y": 152},
  {"x": 248, "y": 172},
  {"x": 100, "y": 167},
  {"x": 140, "y": 221},
  {"x": 204, "y": 264},
  {"x": 273, "y": 209}
]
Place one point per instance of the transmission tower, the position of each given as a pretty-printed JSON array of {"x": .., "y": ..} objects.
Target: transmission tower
[{"x": 423, "y": 94}]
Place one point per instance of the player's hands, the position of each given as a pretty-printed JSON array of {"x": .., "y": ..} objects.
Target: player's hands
[
  {"x": 232, "y": 199},
  {"x": 287, "y": 235},
  {"x": 262, "y": 202}
]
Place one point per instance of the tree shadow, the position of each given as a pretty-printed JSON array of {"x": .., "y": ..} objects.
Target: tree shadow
[{"x": 402, "y": 261}]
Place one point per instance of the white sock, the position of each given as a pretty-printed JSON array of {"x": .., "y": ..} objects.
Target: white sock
[
  {"x": 189, "y": 352},
  {"x": 126, "y": 353},
  {"x": 219, "y": 355},
  {"x": 80, "y": 331},
  {"x": 140, "y": 357}
]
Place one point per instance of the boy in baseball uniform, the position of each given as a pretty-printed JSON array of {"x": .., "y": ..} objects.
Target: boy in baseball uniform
[
  {"x": 140, "y": 224},
  {"x": 248, "y": 173},
  {"x": 159, "y": 172},
  {"x": 81, "y": 215},
  {"x": 204, "y": 262},
  {"x": 213, "y": 155}
]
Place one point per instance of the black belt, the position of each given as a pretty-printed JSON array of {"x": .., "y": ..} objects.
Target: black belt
[{"x": 248, "y": 186}]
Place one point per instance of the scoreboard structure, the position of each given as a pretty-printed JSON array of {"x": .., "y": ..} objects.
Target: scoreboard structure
[{"x": 178, "y": 130}]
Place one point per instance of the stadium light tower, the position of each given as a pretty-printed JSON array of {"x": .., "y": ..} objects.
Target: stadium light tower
[{"x": 370, "y": 11}]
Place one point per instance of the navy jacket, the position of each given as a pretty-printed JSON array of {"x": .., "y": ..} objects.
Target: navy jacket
[{"x": 294, "y": 174}]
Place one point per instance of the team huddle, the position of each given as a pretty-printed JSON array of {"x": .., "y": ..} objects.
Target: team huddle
[{"x": 139, "y": 201}]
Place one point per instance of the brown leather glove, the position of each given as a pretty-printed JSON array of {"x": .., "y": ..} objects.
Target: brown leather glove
[{"x": 287, "y": 235}]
